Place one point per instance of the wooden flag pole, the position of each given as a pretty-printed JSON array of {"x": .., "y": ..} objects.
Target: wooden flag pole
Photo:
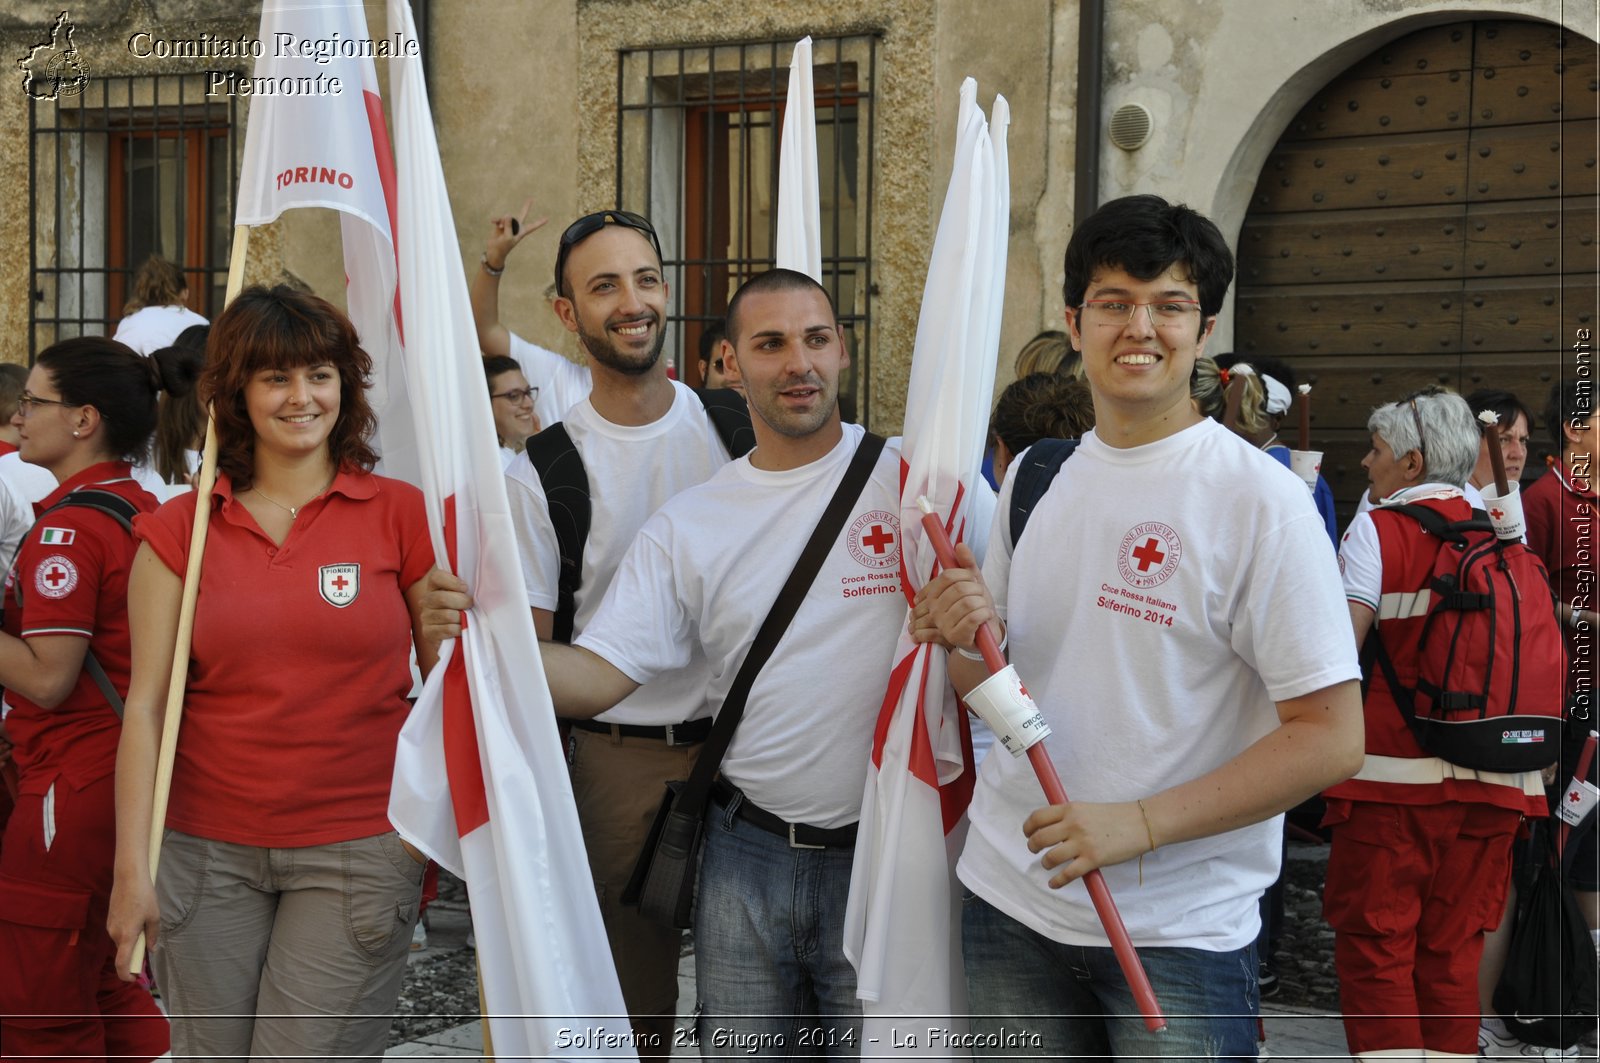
[
  {"x": 191, "y": 591},
  {"x": 483, "y": 1015}
]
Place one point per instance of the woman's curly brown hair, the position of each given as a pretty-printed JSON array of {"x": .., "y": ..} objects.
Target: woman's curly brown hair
[
  {"x": 281, "y": 328},
  {"x": 1041, "y": 406}
]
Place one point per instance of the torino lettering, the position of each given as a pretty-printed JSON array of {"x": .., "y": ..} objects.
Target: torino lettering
[{"x": 314, "y": 175}]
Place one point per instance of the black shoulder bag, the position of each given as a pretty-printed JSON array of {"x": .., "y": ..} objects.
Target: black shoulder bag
[{"x": 663, "y": 881}]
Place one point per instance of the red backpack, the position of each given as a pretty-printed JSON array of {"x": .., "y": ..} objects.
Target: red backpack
[{"x": 1492, "y": 663}]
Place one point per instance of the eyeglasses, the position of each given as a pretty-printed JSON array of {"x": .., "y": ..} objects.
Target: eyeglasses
[
  {"x": 517, "y": 396},
  {"x": 1117, "y": 313},
  {"x": 1416, "y": 418},
  {"x": 590, "y": 224},
  {"x": 27, "y": 403}
]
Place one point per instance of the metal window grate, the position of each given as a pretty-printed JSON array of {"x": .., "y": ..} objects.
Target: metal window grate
[
  {"x": 130, "y": 166},
  {"x": 698, "y": 132}
]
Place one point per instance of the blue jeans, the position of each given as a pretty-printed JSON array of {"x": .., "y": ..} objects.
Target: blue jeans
[
  {"x": 769, "y": 947},
  {"x": 1033, "y": 996}
]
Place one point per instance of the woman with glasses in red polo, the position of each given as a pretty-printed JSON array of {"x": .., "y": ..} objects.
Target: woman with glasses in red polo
[
  {"x": 87, "y": 413},
  {"x": 283, "y": 911}
]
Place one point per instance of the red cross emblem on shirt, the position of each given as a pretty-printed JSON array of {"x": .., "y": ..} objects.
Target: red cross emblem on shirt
[
  {"x": 339, "y": 584},
  {"x": 878, "y": 539},
  {"x": 55, "y": 575},
  {"x": 1149, "y": 554}
]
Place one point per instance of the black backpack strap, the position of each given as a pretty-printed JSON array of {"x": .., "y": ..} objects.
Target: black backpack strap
[
  {"x": 103, "y": 681},
  {"x": 1373, "y": 652},
  {"x": 730, "y": 416},
  {"x": 1434, "y": 523},
  {"x": 110, "y": 503},
  {"x": 1455, "y": 532},
  {"x": 566, "y": 495},
  {"x": 1038, "y": 468}
]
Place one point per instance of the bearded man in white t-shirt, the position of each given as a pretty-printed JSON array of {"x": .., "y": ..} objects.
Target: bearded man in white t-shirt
[
  {"x": 642, "y": 438},
  {"x": 1175, "y": 609},
  {"x": 700, "y": 578}
]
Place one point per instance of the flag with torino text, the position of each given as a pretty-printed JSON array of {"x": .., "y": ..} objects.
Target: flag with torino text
[
  {"x": 902, "y": 926},
  {"x": 330, "y": 149}
]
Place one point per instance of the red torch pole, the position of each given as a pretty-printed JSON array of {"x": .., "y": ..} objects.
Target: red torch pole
[{"x": 1094, "y": 881}]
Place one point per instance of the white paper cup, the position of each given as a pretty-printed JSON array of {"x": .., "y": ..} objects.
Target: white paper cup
[
  {"x": 1505, "y": 511},
  {"x": 1306, "y": 464},
  {"x": 1002, "y": 702}
]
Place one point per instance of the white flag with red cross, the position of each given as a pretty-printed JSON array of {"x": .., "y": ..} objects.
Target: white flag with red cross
[
  {"x": 902, "y": 929},
  {"x": 480, "y": 782}
]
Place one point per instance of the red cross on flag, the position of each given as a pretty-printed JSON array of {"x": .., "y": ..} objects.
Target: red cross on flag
[{"x": 902, "y": 928}]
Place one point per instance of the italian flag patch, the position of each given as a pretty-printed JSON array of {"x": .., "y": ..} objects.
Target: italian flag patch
[{"x": 57, "y": 536}]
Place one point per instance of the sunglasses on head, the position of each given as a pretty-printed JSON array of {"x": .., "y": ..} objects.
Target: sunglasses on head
[
  {"x": 589, "y": 224},
  {"x": 1416, "y": 418}
]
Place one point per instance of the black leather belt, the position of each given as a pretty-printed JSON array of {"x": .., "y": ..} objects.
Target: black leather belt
[
  {"x": 799, "y": 835},
  {"x": 677, "y": 734}
]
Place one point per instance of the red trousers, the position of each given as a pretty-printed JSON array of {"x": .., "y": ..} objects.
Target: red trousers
[
  {"x": 60, "y": 997},
  {"x": 1410, "y": 891}
]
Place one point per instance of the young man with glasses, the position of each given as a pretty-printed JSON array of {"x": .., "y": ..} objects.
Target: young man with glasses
[
  {"x": 641, "y": 438},
  {"x": 1175, "y": 611}
]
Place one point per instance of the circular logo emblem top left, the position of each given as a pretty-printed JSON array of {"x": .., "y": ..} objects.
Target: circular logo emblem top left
[{"x": 874, "y": 540}]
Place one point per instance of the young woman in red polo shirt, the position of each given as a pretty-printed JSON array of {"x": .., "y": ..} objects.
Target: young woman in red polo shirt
[
  {"x": 86, "y": 413},
  {"x": 282, "y": 913}
]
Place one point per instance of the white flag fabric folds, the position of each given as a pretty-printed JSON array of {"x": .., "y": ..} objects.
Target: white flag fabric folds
[
  {"x": 332, "y": 150},
  {"x": 480, "y": 783},
  {"x": 902, "y": 928},
  {"x": 799, "y": 202}
]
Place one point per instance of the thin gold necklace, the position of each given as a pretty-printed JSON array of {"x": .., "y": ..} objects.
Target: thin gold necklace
[{"x": 294, "y": 511}]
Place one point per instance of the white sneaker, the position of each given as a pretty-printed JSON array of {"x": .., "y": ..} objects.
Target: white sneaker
[{"x": 1493, "y": 1044}]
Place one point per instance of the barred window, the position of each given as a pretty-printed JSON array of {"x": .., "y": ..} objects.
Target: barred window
[
  {"x": 127, "y": 167},
  {"x": 698, "y": 135}
]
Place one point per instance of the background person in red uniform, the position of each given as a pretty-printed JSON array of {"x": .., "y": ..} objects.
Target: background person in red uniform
[
  {"x": 88, "y": 410},
  {"x": 1421, "y": 854},
  {"x": 283, "y": 913}
]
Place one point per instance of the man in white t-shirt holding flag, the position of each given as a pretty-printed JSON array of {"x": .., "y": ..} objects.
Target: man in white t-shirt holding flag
[
  {"x": 700, "y": 578},
  {"x": 1176, "y": 612}
]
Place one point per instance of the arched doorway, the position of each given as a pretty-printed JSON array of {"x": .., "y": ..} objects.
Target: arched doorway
[{"x": 1428, "y": 217}]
